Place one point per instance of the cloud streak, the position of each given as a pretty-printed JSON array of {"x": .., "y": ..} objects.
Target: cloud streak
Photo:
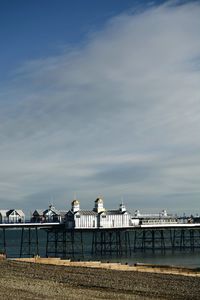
[{"x": 118, "y": 116}]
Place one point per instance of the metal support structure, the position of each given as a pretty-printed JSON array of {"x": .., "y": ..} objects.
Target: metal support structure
[
  {"x": 175, "y": 239},
  {"x": 29, "y": 245},
  {"x": 69, "y": 243},
  {"x": 55, "y": 243},
  {"x": 3, "y": 240},
  {"x": 109, "y": 242},
  {"x": 78, "y": 245},
  {"x": 64, "y": 243}
]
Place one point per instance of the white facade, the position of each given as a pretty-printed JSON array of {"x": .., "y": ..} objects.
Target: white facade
[
  {"x": 114, "y": 219},
  {"x": 134, "y": 221},
  {"x": 153, "y": 219},
  {"x": 163, "y": 214},
  {"x": 85, "y": 219},
  {"x": 48, "y": 215},
  {"x": 52, "y": 215},
  {"x": 76, "y": 218},
  {"x": 98, "y": 205},
  {"x": 99, "y": 217},
  {"x": 15, "y": 216},
  {"x": 3, "y": 216}
]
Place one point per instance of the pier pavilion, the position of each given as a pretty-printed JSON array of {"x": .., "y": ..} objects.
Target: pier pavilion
[{"x": 99, "y": 217}]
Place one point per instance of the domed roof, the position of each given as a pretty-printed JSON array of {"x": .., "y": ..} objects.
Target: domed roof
[
  {"x": 99, "y": 200},
  {"x": 75, "y": 202}
]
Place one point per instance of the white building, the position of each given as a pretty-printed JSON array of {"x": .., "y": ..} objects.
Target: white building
[
  {"x": 15, "y": 216},
  {"x": 52, "y": 215},
  {"x": 99, "y": 217},
  {"x": 112, "y": 218},
  {"x": 76, "y": 218},
  {"x": 153, "y": 219},
  {"x": 48, "y": 215},
  {"x": 3, "y": 216}
]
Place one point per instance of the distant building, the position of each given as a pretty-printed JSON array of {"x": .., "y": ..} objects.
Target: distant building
[
  {"x": 99, "y": 217},
  {"x": 3, "y": 216},
  {"x": 12, "y": 216},
  {"x": 193, "y": 219},
  {"x": 76, "y": 218},
  {"x": 153, "y": 219},
  {"x": 37, "y": 216},
  {"x": 52, "y": 215},
  {"x": 48, "y": 215}
]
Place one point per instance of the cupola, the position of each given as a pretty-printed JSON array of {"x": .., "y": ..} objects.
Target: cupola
[
  {"x": 75, "y": 206},
  {"x": 122, "y": 207},
  {"x": 137, "y": 213},
  {"x": 98, "y": 205}
]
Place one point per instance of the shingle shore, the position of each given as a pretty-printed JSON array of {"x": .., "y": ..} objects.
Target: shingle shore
[
  {"x": 140, "y": 267},
  {"x": 22, "y": 280}
]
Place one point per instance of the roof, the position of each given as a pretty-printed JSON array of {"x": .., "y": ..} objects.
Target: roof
[
  {"x": 9, "y": 212},
  {"x": 69, "y": 212},
  {"x": 82, "y": 212},
  {"x": 38, "y": 211},
  {"x": 158, "y": 216},
  {"x": 86, "y": 212},
  {"x": 113, "y": 212},
  {"x": 54, "y": 211},
  {"x": 94, "y": 213},
  {"x": 75, "y": 202},
  {"x": 99, "y": 200},
  {"x": 18, "y": 211}
]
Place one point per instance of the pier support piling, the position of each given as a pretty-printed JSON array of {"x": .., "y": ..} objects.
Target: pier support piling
[{"x": 29, "y": 245}]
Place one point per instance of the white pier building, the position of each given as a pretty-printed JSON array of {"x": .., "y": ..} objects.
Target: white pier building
[{"x": 99, "y": 217}]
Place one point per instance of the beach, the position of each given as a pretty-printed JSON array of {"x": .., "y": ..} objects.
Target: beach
[{"x": 29, "y": 280}]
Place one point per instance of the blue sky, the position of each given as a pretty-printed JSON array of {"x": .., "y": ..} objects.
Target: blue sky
[
  {"x": 42, "y": 28},
  {"x": 100, "y": 98}
]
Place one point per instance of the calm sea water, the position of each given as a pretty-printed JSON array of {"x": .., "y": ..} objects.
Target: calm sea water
[{"x": 177, "y": 258}]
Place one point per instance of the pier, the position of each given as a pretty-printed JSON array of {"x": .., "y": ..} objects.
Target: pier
[
  {"x": 69, "y": 243},
  {"x": 98, "y": 232}
]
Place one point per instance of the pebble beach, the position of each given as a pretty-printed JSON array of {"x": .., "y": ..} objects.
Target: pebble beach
[{"x": 29, "y": 280}]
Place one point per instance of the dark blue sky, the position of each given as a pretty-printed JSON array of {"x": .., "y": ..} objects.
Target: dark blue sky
[{"x": 37, "y": 29}]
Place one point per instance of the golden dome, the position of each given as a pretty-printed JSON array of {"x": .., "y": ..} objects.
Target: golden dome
[
  {"x": 75, "y": 202},
  {"x": 98, "y": 200}
]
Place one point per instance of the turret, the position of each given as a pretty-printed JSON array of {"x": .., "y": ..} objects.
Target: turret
[
  {"x": 75, "y": 206},
  {"x": 122, "y": 207},
  {"x": 137, "y": 213},
  {"x": 164, "y": 213},
  {"x": 98, "y": 207}
]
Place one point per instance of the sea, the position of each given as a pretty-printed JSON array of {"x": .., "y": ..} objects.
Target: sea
[{"x": 186, "y": 258}]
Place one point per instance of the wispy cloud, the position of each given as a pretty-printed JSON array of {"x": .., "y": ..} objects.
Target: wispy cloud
[{"x": 119, "y": 115}]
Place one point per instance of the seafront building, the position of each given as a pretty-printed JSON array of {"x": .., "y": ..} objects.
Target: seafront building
[
  {"x": 99, "y": 217},
  {"x": 12, "y": 216},
  {"x": 147, "y": 219},
  {"x": 48, "y": 215}
]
